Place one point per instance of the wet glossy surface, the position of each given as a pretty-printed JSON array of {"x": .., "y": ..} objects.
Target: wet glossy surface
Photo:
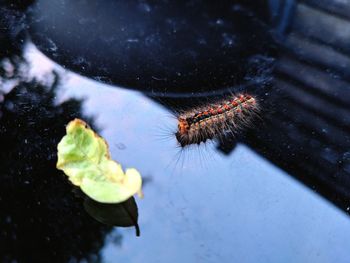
[
  {"x": 157, "y": 46},
  {"x": 212, "y": 203},
  {"x": 236, "y": 208},
  {"x": 207, "y": 207}
]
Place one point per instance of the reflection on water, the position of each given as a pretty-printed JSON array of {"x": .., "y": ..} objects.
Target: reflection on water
[
  {"x": 41, "y": 219},
  {"x": 124, "y": 214},
  {"x": 219, "y": 209},
  {"x": 207, "y": 208}
]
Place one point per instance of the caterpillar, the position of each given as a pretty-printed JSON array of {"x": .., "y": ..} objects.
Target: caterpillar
[{"x": 216, "y": 119}]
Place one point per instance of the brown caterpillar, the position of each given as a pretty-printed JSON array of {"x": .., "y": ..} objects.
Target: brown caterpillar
[{"x": 214, "y": 120}]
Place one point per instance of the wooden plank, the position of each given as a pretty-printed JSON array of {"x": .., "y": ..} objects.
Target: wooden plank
[
  {"x": 316, "y": 53},
  {"x": 335, "y": 7},
  {"x": 322, "y": 26}
]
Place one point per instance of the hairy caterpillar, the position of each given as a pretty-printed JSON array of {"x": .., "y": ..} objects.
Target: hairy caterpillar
[{"x": 214, "y": 120}]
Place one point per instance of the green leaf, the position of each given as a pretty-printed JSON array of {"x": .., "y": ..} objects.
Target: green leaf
[{"x": 84, "y": 157}]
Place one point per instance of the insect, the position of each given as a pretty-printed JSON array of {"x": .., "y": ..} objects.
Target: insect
[{"x": 216, "y": 119}]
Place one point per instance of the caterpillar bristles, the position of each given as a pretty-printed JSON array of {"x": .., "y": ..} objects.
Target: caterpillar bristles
[{"x": 216, "y": 119}]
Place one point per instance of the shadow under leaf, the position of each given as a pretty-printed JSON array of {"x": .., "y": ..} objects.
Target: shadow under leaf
[{"x": 124, "y": 214}]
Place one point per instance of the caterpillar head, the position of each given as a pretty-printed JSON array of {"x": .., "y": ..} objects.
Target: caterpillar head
[{"x": 182, "y": 135}]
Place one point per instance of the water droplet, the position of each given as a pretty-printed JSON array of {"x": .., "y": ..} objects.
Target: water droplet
[
  {"x": 228, "y": 40},
  {"x": 145, "y": 7},
  {"x": 121, "y": 146},
  {"x": 8, "y": 219},
  {"x": 346, "y": 157},
  {"x": 219, "y": 22},
  {"x": 132, "y": 40}
]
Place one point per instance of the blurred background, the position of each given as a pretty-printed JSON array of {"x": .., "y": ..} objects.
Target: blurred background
[{"x": 276, "y": 192}]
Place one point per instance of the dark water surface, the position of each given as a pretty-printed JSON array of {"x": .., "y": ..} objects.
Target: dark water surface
[
  {"x": 208, "y": 207},
  {"x": 280, "y": 193}
]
